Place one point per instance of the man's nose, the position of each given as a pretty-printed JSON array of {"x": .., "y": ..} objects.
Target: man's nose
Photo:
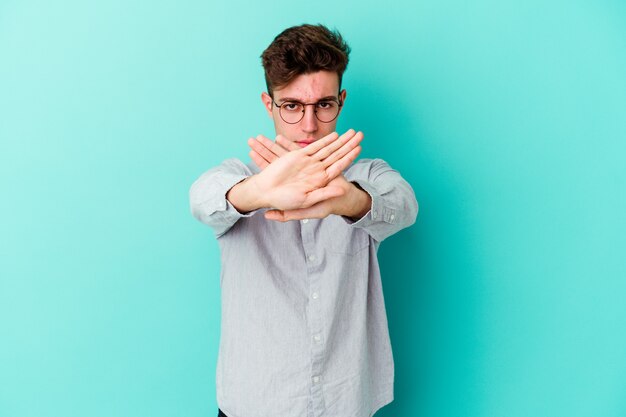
[{"x": 309, "y": 121}]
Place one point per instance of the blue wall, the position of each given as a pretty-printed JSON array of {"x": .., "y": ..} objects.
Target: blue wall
[{"x": 506, "y": 298}]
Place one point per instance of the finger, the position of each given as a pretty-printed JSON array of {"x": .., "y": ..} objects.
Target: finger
[
  {"x": 287, "y": 215},
  {"x": 344, "y": 150},
  {"x": 262, "y": 150},
  {"x": 276, "y": 149},
  {"x": 335, "y": 169},
  {"x": 311, "y": 148},
  {"x": 322, "y": 194},
  {"x": 277, "y": 215},
  {"x": 287, "y": 144},
  {"x": 258, "y": 159},
  {"x": 327, "y": 150}
]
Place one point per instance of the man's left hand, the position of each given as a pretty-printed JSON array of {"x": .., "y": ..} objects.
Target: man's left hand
[{"x": 354, "y": 203}]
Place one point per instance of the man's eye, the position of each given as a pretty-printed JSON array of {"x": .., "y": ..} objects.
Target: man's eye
[
  {"x": 325, "y": 104},
  {"x": 291, "y": 106}
]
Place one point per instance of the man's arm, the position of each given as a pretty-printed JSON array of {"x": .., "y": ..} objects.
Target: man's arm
[
  {"x": 394, "y": 206},
  {"x": 224, "y": 194},
  {"x": 376, "y": 197},
  {"x": 207, "y": 195}
]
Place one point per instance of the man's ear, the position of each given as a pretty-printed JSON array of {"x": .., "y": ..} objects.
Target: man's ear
[
  {"x": 267, "y": 102},
  {"x": 342, "y": 97}
]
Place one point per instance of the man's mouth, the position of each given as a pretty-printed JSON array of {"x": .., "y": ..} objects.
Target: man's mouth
[{"x": 304, "y": 143}]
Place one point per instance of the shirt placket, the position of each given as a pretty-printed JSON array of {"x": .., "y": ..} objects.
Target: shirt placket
[{"x": 313, "y": 258}]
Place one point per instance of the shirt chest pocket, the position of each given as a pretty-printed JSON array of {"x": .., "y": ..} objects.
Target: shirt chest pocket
[{"x": 340, "y": 238}]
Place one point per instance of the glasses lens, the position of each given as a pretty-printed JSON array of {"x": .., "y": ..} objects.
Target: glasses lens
[
  {"x": 327, "y": 111},
  {"x": 291, "y": 112}
]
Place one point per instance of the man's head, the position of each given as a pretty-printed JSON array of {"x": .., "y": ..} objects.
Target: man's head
[{"x": 304, "y": 65}]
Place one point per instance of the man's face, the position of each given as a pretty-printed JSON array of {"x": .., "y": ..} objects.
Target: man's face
[{"x": 306, "y": 88}]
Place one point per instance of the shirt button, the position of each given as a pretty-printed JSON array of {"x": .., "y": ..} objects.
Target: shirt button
[
  {"x": 305, "y": 221},
  {"x": 311, "y": 258},
  {"x": 391, "y": 217},
  {"x": 317, "y": 337},
  {"x": 374, "y": 213},
  {"x": 315, "y": 295},
  {"x": 316, "y": 379}
]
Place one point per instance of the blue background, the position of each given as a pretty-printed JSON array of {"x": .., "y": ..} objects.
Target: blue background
[{"x": 506, "y": 298}]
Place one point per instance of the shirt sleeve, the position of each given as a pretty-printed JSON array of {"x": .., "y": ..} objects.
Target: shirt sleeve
[
  {"x": 394, "y": 205},
  {"x": 207, "y": 196}
]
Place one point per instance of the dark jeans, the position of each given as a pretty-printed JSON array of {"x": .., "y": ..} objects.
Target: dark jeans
[{"x": 220, "y": 413}]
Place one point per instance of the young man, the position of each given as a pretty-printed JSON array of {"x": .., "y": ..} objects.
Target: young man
[{"x": 304, "y": 327}]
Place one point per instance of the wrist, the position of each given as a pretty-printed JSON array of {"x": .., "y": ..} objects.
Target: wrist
[
  {"x": 359, "y": 202},
  {"x": 244, "y": 195},
  {"x": 257, "y": 197}
]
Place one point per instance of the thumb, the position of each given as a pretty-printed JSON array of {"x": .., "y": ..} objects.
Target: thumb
[
  {"x": 278, "y": 215},
  {"x": 321, "y": 194}
]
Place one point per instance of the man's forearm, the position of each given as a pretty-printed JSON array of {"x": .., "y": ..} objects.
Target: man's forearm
[{"x": 244, "y": 196}]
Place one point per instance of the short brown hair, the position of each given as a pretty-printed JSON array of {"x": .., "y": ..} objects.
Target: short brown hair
[{"x": 301, "y": 50}]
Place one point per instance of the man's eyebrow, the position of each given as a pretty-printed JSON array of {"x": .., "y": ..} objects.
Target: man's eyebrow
[{"x": 302, "y": 101}]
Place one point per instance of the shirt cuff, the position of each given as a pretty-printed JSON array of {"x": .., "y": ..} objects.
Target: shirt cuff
[
  {"x": 222, "y": 206},
  {"x": 378, "y": 211}
]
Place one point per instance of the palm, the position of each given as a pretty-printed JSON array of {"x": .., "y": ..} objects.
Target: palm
[
  {"x": 330, "y": 205},
  {"x": 290, "y": 180}
]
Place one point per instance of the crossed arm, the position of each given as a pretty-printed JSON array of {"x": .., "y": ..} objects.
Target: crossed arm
[{"x": 298, "y": 183}]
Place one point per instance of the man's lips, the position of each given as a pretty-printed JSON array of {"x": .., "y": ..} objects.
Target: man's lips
[{"x": 305, "y": 142}]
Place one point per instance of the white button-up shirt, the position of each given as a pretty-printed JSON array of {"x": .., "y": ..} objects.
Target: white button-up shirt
[{"x": 304, "y": 326}]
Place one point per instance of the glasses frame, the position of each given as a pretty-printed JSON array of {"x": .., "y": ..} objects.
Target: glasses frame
[{"x": 336, "y": 100}]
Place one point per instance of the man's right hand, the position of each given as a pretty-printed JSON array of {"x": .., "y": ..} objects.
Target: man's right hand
[{"x": 298, "y": 179}]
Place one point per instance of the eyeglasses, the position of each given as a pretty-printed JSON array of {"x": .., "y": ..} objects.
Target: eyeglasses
[{"x": 292, "y": 112}]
